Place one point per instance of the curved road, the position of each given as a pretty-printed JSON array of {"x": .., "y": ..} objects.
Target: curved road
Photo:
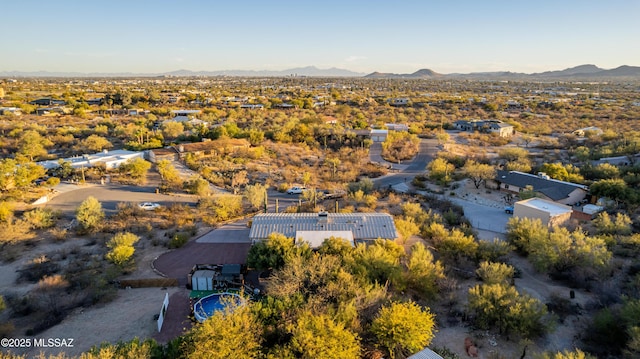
[{"x": 409, "y": 170}]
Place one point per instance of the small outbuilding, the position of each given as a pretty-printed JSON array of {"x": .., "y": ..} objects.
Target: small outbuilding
[{"x": 549, "y": 212}]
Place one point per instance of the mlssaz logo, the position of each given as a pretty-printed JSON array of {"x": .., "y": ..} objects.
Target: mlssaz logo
[{"x": 54, "y": 342}]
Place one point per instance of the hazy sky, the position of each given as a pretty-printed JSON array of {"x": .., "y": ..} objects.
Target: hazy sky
[{"x": 388, "y": 36}]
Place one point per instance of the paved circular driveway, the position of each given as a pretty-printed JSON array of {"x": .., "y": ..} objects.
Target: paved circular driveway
[{"x": 111, "y": 195}]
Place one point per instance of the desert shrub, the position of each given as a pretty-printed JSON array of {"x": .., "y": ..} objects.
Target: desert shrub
[
  {"x": 21, "y": 305},
  {"x": 38, "y": 268},
  {"x": 90, "y": 214},
  {"x": 6, "y": 212},
  {"x": 178, "y": 240},
  {"x": 495, "y": 273},
  {"x": 40, "y": 218},
  {"x": 121, "y": 248},
  {"x": 59, "y": 234}
]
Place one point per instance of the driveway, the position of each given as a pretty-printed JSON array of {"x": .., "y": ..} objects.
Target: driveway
[
  {"x": 110, "y": 195},
  {"x": 236, "y": 232},
  {"x": 485, "y": 218}
]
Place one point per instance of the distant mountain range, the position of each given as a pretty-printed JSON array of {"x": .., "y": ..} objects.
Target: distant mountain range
[
  {"x": 309, "y": 71},
  {"x": 581, "y": 72},
  {"x": 573, "y": 73}
]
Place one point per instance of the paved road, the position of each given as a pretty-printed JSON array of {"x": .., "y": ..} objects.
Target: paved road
[
  {"x": 411, "y": 168},
  {"x": 110, "y": 195}
]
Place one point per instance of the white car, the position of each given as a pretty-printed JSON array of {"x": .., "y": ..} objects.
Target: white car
[
  {"x": 296, "y": 190},
  {"x": 148, "y": 206}
]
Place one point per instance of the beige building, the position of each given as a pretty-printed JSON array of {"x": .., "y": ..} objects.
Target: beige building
[{"x": 550, "y": 213}]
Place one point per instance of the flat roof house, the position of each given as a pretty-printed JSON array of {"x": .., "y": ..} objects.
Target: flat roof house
[
  {"x": 554, "y": 190},
  {"x": 549, "y": 212},
  {"x": 316, "y": 227}
]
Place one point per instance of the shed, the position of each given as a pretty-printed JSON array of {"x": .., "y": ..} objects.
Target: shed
[{"x": 203, "y": 279}]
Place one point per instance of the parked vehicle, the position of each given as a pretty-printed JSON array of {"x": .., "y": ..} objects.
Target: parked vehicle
[
  {"x": 508, "y": 209},
  {"x": 296, "y": 190},
  {"x": 149, "y": 206}
]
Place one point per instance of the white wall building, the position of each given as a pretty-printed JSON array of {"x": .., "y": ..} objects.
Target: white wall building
[{"x": 550, "y": 213}]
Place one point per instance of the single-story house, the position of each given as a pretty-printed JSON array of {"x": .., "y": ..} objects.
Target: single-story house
[
  {"x": 501, "y": 128},
  {"x": 47, "y": 101},
  {"x": 555, "y": 190},
  {"x": 185, "y": 112},
  {"x": 491, "y": 126},
  {"x": 402, "y": 101},
  {"x": 110, "y": 159},
  {"x": 549, "y": 212},
  {"x": 10, "y": 110},
  {"x": 251, "y": 106},
  {"x": 316, "y": 227}
]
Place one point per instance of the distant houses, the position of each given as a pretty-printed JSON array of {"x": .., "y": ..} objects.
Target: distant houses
[
  {"x": 500, "y": 128},
  {"x": 47, "y": 101}
]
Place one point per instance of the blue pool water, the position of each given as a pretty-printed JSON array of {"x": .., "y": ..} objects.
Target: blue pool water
[{"x": 206, "y": 306}]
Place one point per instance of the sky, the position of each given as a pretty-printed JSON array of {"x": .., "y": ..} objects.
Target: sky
[{"x": 154, "y": 36}]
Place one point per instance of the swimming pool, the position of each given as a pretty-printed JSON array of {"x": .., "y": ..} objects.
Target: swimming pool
[{"x": 206, "y": 306}]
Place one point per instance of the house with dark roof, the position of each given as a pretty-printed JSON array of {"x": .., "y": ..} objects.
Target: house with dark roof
[
  {"x": 558, "y": 191},
  {"x": 316, "y": 227}
]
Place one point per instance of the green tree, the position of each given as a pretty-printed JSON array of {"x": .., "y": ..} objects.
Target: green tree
[
  {"x": 423, "y": 273},
  {"x": 440, "y": 170},
  {"x": 136, "y": 169},
  {"x": 515, "y": 159},
  {"x": 615, "y": 189},
  {"x": 271, "y": 253},
  {"x": 406, "y": 228},
  {"x": 31, "y": 144},
  {"x": 95, "y": 143},
  {"x": 197, "y": 185},
  {"x": 403, "y": 328},
  {"x": 399, "y": 146},
  {"x": 569, "y": 172},
  {"x": 501, "y": 306},
  {"x": 379, "y": 261},
  {"x": 168, "y": 173},
  {"x": 478, "y": 172},
  {"x": 495, "y": 273},
  {"x": 318, "y": 336},
  {"x": 256, "y": 195},
  {"x": 335, "y": 246},
  {"x": 172, "y": 129},
  {"x": 230, "y": 333},
  {"x": 605, "y": 225},
  {"x": 90, "y": 214},
  {"x": 26, "y": 173}
]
